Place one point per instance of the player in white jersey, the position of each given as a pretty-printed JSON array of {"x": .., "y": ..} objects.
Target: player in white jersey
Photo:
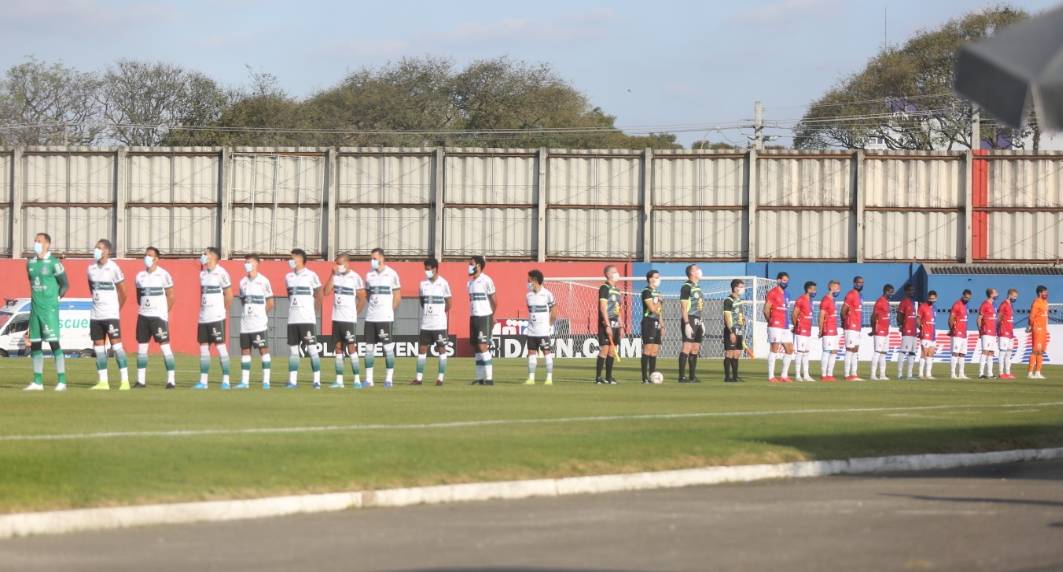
[
  {"x": 155, "y": 299},
  {"x": 215, "y": 299},
  {"x": 256, "y": 297},
  {"x": 542, "y": 312},
  {"x": 482, "y": 306},
  {"x": 348, "y": 298},
  {"x": 384, "y": 295},
  {"x": 304, "y": 306},
  {"x": 434, "y": 293},
  {"x": 108, "y": 297}
]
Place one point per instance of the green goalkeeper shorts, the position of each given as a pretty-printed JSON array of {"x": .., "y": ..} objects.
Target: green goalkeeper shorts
[{"x": 44, "y": 326}]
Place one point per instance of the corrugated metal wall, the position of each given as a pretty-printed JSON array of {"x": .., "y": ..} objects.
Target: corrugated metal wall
[
  {"x": 698, "y": 206},
  {"x": 803, "y": 207},
  {"x": 1025, "y": 206},
  {"x": 172, "y": 202},
  {"x": 384, "y": 200},
  {"x": 532, "y": 203}
]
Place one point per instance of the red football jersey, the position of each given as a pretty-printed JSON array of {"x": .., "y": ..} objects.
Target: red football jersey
[
  {"x": 777, "y": 300},
  {"x": 881, "y": 327},
  {"x": 911, "y": 318},
  {"x": 854, "y": 319},
  {"x": 959, "y": 311},
  {"x": 1005, "y": 320},
  {"x": 989, "y": 319},
  {"x": 803, "y": 327},
  {"x": 926, "y": 323},
  {"x": 830, "y": 324}
]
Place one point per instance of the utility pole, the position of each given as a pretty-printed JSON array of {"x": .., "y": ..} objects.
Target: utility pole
[
  {"x": 758, "y": 126},
  {"x": 976, "y": 129}
]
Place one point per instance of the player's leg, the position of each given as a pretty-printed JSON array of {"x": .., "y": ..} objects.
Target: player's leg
[
  {"x": 97, "y": 332},
  {"x": 441, "y": 350},
  {"x": 293, "y": 356},
  {"x": 610, "y": 360},
  {"x": 356, "y": 366},
  {"x": 143, "y": 336},
  {"x": 36, "y": 353},
  {"x": 309, "y": 336},
  {"x": 162, "y": 337},
  {"x": 603, "y": 351},
  {"x": 695, "y": 352},
  {"x": 339, "y": 351},
  {"x": 533, "y": 359},
  {"x": 245, "y": 360},
  {"x": 548, "y": 358},
  {"x": 787, "y": 359},
  {"x": 389, "y": 355},
  {"x": 114, "y": 335},
  {"x": 371, "y": 339},
  {"x": 422, "y": 359}
]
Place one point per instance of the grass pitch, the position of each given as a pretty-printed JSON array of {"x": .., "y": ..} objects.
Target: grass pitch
[{"x": 155, "y": 446}]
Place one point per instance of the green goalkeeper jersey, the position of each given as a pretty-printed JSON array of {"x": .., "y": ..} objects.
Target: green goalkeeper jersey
[{"x": 47, "y": 283}]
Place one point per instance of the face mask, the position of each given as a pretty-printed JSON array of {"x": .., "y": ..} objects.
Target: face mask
[
  {"x": 833, "y": 294},
  {"x": 291, "y": 263},
  {"x": 248, "y": 267},
  {"x": 341, "y": 269},
  {"x": 149, "y": 262},
  {"x": 614, "y": 277},
  {"x": 97, "y": 254},
  {"x": 472, "y": 269},
  {"x": 741, "y": 292},
  {"x": 203, "y": 259},
  {"x": 429, "y": 274},
  {"x": 811, "y": 295},
  {"x": 38, "y": 248},
  {"x": 374, "y": 263},
  {"x": 783, "y": 285},
  {"x": 858, "y": 288},
  {"x": 530, "y": 288},
  {"x": 1013, "y": 300},
  {"x": 931, "y": 303},
  {"x": 655, "y": 283},
  {"x": 965, "y": 302}
]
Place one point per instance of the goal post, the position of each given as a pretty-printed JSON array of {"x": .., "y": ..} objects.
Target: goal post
[{"x": 577, "y": 316}]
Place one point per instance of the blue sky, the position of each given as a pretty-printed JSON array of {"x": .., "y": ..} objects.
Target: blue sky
[{"x": 649, "y": 63}]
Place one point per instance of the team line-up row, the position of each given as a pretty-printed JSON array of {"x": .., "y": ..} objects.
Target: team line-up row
[{"x": 377, "y": 296}]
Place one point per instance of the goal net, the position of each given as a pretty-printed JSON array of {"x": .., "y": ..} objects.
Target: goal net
[{"x": 576, "y": 332}]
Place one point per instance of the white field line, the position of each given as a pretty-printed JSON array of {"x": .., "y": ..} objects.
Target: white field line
[
  {"x": 501, "y": 422},
  {"x": 66, "y": 521}
]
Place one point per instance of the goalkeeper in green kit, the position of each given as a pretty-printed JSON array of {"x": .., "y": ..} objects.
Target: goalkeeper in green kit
[{"x": 48, "y": 284}]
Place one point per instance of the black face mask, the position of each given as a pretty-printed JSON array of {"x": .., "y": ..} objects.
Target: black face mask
[
  {"x": 965, "y": 302},
  {"x": 858, "y": 288}
]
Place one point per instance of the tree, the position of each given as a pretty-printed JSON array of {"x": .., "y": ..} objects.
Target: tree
[
  {"x": 143, "y": 101},
  {"x": 48, "y": 104},
  {"x": 904, "y": 98}
]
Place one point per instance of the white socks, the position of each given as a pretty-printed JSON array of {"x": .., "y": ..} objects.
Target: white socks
[
  {"x": 787, "y": 359},
  {"x": 533, "y": 361},
  {"x": 772, "y": 357}
]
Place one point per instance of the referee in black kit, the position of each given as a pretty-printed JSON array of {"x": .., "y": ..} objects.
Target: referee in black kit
[{"x": 734, "y": 326}]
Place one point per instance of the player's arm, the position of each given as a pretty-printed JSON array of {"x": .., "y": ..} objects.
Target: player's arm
[
  {"x": 170, "y": 298},
  {"x": 684, "y": 303},
  {"x": 845, "y": 311},
  {"x": 328, "y": 285},
  {"x": 494, "y": 303},
  {"x": 767, "y": 310},
  {"x": 270, "y": 304},
  {"x": 136, "y": 290},
  {"x": 728, "y": 319},
  {"x": 952, "y": 319},
  {"x": 553, "y": 315},
  {"x": 603, "y": 306},
  {"x": 360, "y": 300},
  {"x": 120, "y": 289},
  {"x": 396, "y": 297},
  {"x": 64, "y": 284},
  {"x": 979, "y": 320},
  {"x": 901, "y": 315},
  {"x": 795, "y": 316},
  {"x": 228, "y": 295},
  {"x": 446, "y": 305},
  {"x": 822, "y": 320},
  {"x": 319, "y": 298}
]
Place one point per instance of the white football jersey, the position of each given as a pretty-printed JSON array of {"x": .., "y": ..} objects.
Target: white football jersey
[
  {"x": 345, "y": 289},
  {"x": 434, "y": 295},
  {"x": 212, "y": 284},
  {"x": 539, "y": 305},
  {"x": 104, "y": 281},
  {"x": 152, "y": 288},
  {"x": 479, "y": 291},
  {"x": 253, "y": 294},
  {"x": 301, "y": 285},
  {"x": 381, "y": 287}
]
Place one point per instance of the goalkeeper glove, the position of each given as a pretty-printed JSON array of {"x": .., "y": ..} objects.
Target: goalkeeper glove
[{"x": 689, "y": 330}]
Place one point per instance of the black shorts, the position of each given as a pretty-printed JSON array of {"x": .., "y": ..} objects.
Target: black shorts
[
  {"x": 149, "y": 327},
  {"x": 344, "y": 332},
  {"x": 603, "y": 333},
  {"x": 536, "y": 343},
  {"x": 301, "y": 334},
  {"x": 651, "y": 331},
  {"x": 256, "y": 340},
  {"x": 480, "y": 330},
  {"x": 377, "y": 332},
  {"x": 211, "y": 333},
  {"x": 699, "y": 331},
  {"x": 433, "y": 338},
  {"x": 101, "y": 329},
  {"x": 727, "y": 345}
]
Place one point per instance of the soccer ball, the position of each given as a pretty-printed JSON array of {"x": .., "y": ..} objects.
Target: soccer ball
[{"x": 656, "y": 378}]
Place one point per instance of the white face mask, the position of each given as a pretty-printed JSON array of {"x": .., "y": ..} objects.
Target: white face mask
[
  {"x": 341, "y": 269},
  {"x": 374, "y": 264},
  {"x": 472, "y": 269},
  {"x": 38, "y": 248},
  {"x": 248, "y": 267},
  {"x": 149, "y": 261},
  {"x": 429, "y": 273},
  {"x": 203, "y": 259},
  {"x": 530, "y": 287},
  {"x": 291, "y": 263},
  {"x": 614, "y": 277},
  {"x": 655, "y": 282},
  {"x": 97, "y": 254},
  {"x": 741, "y": 292}
]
